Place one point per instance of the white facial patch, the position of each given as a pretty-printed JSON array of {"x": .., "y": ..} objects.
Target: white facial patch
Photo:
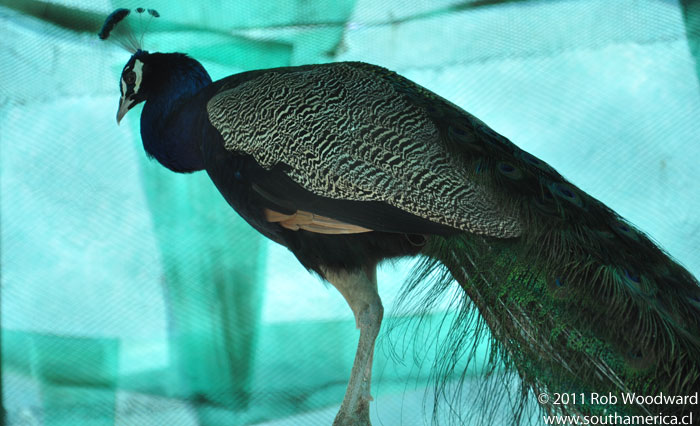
[{"x": 138, "y": 70}]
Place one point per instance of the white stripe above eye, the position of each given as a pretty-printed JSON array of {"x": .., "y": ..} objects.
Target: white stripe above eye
[{"x": 138, "y": 70}]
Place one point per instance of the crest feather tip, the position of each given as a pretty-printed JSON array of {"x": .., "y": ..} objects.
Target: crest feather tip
[{"x": 113, "y": 19}]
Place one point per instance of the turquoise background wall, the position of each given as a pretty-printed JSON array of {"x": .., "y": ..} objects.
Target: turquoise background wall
[{"x": 134, "y": 296}]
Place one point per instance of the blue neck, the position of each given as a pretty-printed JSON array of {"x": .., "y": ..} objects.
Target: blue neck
[{"x": 171, "y": 121}]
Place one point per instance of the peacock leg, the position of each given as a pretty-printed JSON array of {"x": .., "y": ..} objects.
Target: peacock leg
[{"x": 359, "y": 288}]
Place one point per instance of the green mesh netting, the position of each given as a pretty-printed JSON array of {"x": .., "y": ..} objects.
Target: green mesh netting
[{"x": 134, "y": 296}]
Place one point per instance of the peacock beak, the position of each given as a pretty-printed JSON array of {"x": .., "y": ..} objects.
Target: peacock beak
[{"x": 124, "y": 106}]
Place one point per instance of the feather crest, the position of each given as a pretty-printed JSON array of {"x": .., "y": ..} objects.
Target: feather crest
[{"x": 124, "y": 35}]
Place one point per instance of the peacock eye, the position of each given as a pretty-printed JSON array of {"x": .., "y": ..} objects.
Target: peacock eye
[{"x": 130, "y": 78}]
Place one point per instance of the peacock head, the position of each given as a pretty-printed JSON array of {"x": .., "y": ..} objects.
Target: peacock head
[{"x": 132, "y": 87}]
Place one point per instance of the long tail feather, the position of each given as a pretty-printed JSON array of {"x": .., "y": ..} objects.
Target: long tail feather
[{"x": 570, "y": 322}]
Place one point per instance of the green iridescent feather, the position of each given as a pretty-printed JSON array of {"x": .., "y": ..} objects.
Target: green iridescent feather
[{"x": 581, "y": 302}]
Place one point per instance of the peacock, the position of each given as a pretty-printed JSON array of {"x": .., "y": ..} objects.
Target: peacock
[{"x": 350, "y": 164}]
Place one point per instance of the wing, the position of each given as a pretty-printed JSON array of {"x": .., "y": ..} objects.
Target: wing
[{"x": 347, "y": 132}]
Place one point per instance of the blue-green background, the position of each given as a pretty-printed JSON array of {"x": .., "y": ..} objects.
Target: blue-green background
[{"x": 134, "y": 296}]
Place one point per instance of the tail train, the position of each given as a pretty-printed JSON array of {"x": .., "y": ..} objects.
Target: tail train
[{"x": 580, "y": 310}]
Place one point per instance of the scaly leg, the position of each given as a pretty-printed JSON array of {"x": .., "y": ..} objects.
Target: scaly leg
[{"x": 359, "y": 288}]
